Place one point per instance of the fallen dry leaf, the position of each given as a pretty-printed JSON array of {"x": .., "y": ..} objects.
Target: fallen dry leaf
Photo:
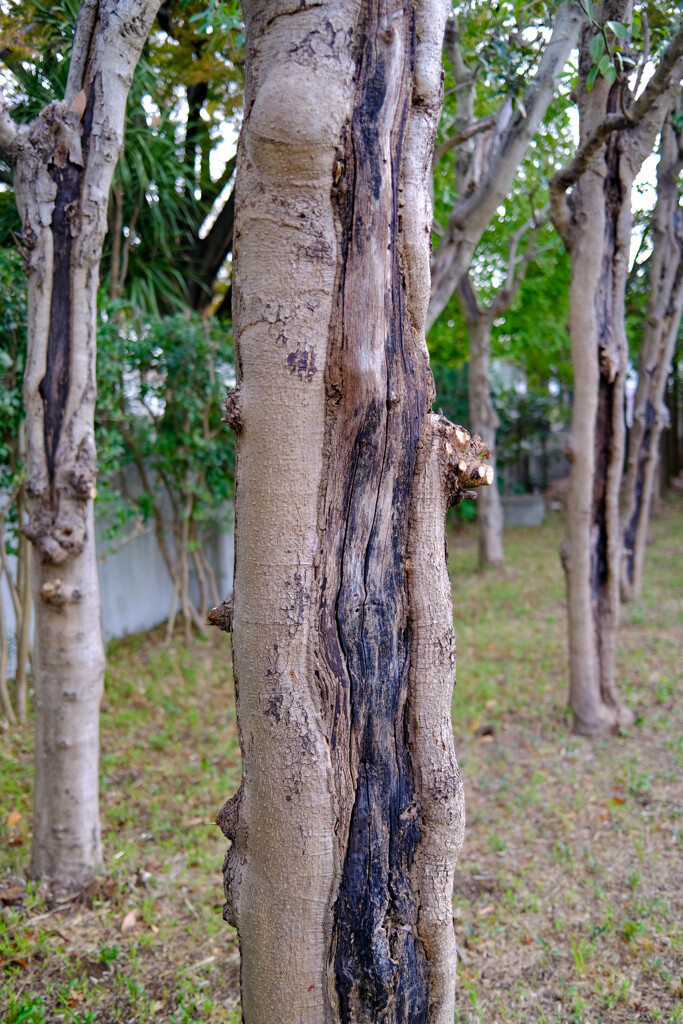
[
  {"x": 14, "y": 962},
  {"x": 10, "y": 895},
  {"x": 14, "y": 818},
  {"x": 129, "y": 921},
  {"x": 79, "y": 103}
]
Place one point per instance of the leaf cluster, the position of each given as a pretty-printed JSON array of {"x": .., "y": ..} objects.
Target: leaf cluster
[
  {"x": 12, "y": 362},
  {"x": 187, "y": 88},
  {"x": 161, "y": 383}
]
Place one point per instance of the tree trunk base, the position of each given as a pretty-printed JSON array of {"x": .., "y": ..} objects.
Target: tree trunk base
[{"x": 607, "y": 722}]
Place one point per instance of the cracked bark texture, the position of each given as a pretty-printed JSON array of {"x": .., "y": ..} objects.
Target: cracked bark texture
[
  {"x": 595, "y": 223},
  {"x": 63, "y": 165},
  {"x": 349, "y": 817},
  {"x": 664, "y": 309}
]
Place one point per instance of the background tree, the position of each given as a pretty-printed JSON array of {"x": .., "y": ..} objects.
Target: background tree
[
  {"x": 616, "y": 134},
  {"x": 663, "y": 318},
  {"x": 12, "y": 478},
  {"x": 171, "y": 206},
  {"x": 63, "y": 162},
  {"x": 483, "y": 420}
]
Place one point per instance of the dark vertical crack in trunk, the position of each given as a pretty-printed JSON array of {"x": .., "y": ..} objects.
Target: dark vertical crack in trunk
[
  {"x": 54, "y": 387},
  {"x": 609, "y": 362},
  {"x": 379, "y": 963}
]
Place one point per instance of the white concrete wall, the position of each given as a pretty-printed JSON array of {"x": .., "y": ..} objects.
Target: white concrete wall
[{"x": 135, "y": 588}]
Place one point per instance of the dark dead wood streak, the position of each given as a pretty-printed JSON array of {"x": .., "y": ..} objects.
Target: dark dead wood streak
[
  {"x": 379, "y": 963},
  {"x": 608, "y": 358},
  {"x": 54, "y": 387}
]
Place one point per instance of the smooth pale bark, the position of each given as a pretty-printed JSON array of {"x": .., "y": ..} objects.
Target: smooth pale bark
[
  {"x": 5, "y": 698},
  {"x": 349, "y": 815},
  {"x": 63, "y": 165},
  {"x": 23, "y": 620},
  {"x": 595, "y": 223},
  {"x": 664, "y": 309},
  {"x": 489, "y": 184},
  {"x": 484, "y": 421}
]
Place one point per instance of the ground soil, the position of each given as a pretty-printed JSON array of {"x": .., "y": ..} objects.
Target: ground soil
[{"x": 569, "y": 893}]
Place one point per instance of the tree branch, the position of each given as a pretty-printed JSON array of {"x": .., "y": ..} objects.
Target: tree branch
[
  {"x": 470, "y": 217},
  {"x": 210, "y": 254},
  {"x": 469, "y": 300},
  {"x": 482, "y": 125},
  {"x": 8, "y": 129},
  {"x": 213, "y": 193},
  {"x": 517, "y": 266},
  {"x": 660, "y": 81},
  {"x": 80, "y": 51}
]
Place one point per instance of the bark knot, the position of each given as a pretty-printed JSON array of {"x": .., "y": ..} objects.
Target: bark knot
[
  {"x": 55, "y": 593},
  {"x": 462, "y": 460},
  {"x": 56, "y": 535},
  {"x": 233, "y": 411},
  {"x": 221, "y": 616}
]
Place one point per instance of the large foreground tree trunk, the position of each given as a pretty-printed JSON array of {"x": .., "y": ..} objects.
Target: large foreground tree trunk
[
  {"x": 664, "y": 309},
  {"x": 349, "y": 817},
  {"x": 64, "y": 161},
  {"x": 595, "y": 223}
]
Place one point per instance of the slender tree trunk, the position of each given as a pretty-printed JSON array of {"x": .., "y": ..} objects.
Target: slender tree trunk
[
  {"x": 350, "y": 814},
  {"x": 24, "y": 586},
  {"x": 595, "y": 223},
  {"x": 484, "y": 421},
  {"x": 664, "y": 309},
  {"x": 24, "y": 577},
  {"x": 480, "y": 319},
  {"x": 4, "y": 655},
  {"x": 64, "y": 162}
]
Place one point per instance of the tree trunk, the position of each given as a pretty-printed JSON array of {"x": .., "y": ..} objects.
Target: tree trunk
[
  {"x": 480, "y": 319},
  {"x": 350, "y": 814},
  {"x": 64, "y": 162},
  {"x": 595, "y": 223},
  {"x": 664, "y": 309},
  {"x": 24, "y": 578},
  {"x": 484, "y": 421},
  {"x": 5, "y": 698}
]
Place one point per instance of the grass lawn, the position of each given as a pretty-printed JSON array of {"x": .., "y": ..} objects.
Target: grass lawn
[{"x": 569, "y": 893}]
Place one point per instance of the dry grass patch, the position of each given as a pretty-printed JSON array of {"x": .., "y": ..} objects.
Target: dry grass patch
[{"x": 570, "y": 883}]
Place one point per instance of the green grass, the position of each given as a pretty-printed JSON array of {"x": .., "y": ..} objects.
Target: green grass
[
  {"x": 579, "y": 842},
  {"x": 169, "y": 760},
  {"x": 568, "y": 901}
]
